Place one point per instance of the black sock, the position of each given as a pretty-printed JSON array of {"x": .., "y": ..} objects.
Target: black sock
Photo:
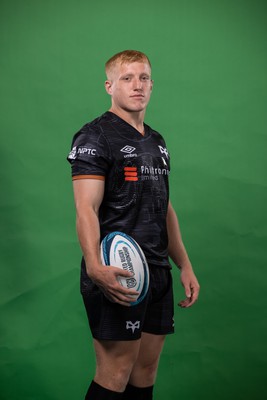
[
  {"x": 97, "y": 392},
  {"x": 137, "y": 393}
]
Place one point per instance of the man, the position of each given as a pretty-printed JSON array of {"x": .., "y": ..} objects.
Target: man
[{"x": 120, "y": 169}]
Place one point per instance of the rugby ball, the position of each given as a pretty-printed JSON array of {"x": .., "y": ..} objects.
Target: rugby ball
[{"x": 122, "y": 251}]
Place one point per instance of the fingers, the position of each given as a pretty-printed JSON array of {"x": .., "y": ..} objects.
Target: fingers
[
  {"x": 188, "y": 302},
  {"x": 113, "y": 288},
  {"x": 125, "y": 297},
  {"x": 191, "y": 296},
  {"x": 122, "y": 272},
  {"x": 188, "y": 292},
  {"x": 191, "y": 286}
]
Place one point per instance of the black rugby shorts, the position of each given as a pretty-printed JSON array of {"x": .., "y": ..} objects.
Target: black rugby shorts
[{"x": 111, "y": 321}]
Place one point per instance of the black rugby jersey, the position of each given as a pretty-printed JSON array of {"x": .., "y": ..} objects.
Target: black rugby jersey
[{"x": 135, "y": 169}]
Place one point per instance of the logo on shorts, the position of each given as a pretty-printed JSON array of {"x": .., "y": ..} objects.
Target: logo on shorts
[{"x": 133, "y": 325}]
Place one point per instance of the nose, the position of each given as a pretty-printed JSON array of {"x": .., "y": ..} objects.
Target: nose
[{"x": 138, "y": 84}]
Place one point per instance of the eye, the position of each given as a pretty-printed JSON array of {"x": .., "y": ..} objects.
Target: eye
[
  {"x": 145, "y": 78},
  {"x": 126, "y": 78}
]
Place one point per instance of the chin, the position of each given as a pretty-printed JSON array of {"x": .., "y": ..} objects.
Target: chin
[{"x": 137, "y": 109}]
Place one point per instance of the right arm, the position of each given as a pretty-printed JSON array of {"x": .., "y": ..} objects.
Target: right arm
[{"x": 88, "y": 195}]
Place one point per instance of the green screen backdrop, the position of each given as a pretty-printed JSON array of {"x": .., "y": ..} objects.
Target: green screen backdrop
[{"x": 209, "y": 101}]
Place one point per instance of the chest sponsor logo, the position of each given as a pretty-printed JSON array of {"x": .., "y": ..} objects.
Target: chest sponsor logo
[
  {"x": 130, "y": 174},
  {"x": 133, "y": 325},
  {"x": 146, "y": 173},
  {"x": 151, "y": 173},
  {"x": 81, "y": 150}
]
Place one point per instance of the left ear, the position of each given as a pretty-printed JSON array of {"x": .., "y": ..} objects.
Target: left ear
[
  {"x": 108, "y": 86},
  {"x": 151, "y": 86}
]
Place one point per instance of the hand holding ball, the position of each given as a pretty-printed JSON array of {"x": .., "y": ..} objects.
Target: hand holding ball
[{"x": 122, "y": 251}]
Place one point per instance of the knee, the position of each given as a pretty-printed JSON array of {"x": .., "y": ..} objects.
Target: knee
[
  {"x": 144, "y": 374},
  {"x": 114, "y": 377},
  {"x": 150, "y": 370},
  {"x": 122, "y": 373}
]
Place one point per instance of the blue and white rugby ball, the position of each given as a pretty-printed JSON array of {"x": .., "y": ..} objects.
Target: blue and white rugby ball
[{"x": 122, "y": 251}]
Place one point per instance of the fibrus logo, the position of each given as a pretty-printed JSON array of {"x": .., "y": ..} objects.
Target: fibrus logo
[
  {"x": 133, "y": 325},
  {"x": 81, "y": 150}
]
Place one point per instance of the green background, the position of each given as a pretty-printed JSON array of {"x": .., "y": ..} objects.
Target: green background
[{"x": 209, "y": 101}]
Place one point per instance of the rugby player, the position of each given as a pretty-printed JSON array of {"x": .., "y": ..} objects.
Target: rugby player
[{"x": 120, "y": 171}]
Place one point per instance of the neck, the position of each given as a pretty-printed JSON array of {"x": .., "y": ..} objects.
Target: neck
[{"x": 135, "y": 119}]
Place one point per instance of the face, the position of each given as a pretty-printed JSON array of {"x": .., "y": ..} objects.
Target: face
[{"x": 130, "y": 86}]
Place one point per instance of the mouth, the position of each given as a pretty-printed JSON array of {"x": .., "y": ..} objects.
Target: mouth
[{"x": 137, "y": 96}]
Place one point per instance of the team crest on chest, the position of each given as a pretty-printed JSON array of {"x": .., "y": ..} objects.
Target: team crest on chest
[{"x": 164, "y": 151}]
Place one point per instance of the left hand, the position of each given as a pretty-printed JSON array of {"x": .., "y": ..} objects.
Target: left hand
[{"x": 191, "y": 287}]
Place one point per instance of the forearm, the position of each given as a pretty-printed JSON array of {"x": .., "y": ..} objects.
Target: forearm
[
  {"x": 88, "y": 231},
  {"x": 88, "y": 194},
  {"x": 176, "y": 248},
  {"x": 178, "y": 254}
]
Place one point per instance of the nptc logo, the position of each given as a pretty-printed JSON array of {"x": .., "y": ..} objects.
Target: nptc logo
[
  {"x": 72, "y": 154},
  {"x": 81, "y": 150},
  {"x": 133, "y": 325}
]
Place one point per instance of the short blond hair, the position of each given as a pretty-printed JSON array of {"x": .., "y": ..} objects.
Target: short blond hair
[{"x": 125, "y": 57}]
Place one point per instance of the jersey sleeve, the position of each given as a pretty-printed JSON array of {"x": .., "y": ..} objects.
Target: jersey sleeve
[{"x": 90, "y": 155}]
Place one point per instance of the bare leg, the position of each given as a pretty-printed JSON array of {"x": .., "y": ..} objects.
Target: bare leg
[
  {"x": 114, "y": 362},
  {"x": 144, "y": 371}
]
